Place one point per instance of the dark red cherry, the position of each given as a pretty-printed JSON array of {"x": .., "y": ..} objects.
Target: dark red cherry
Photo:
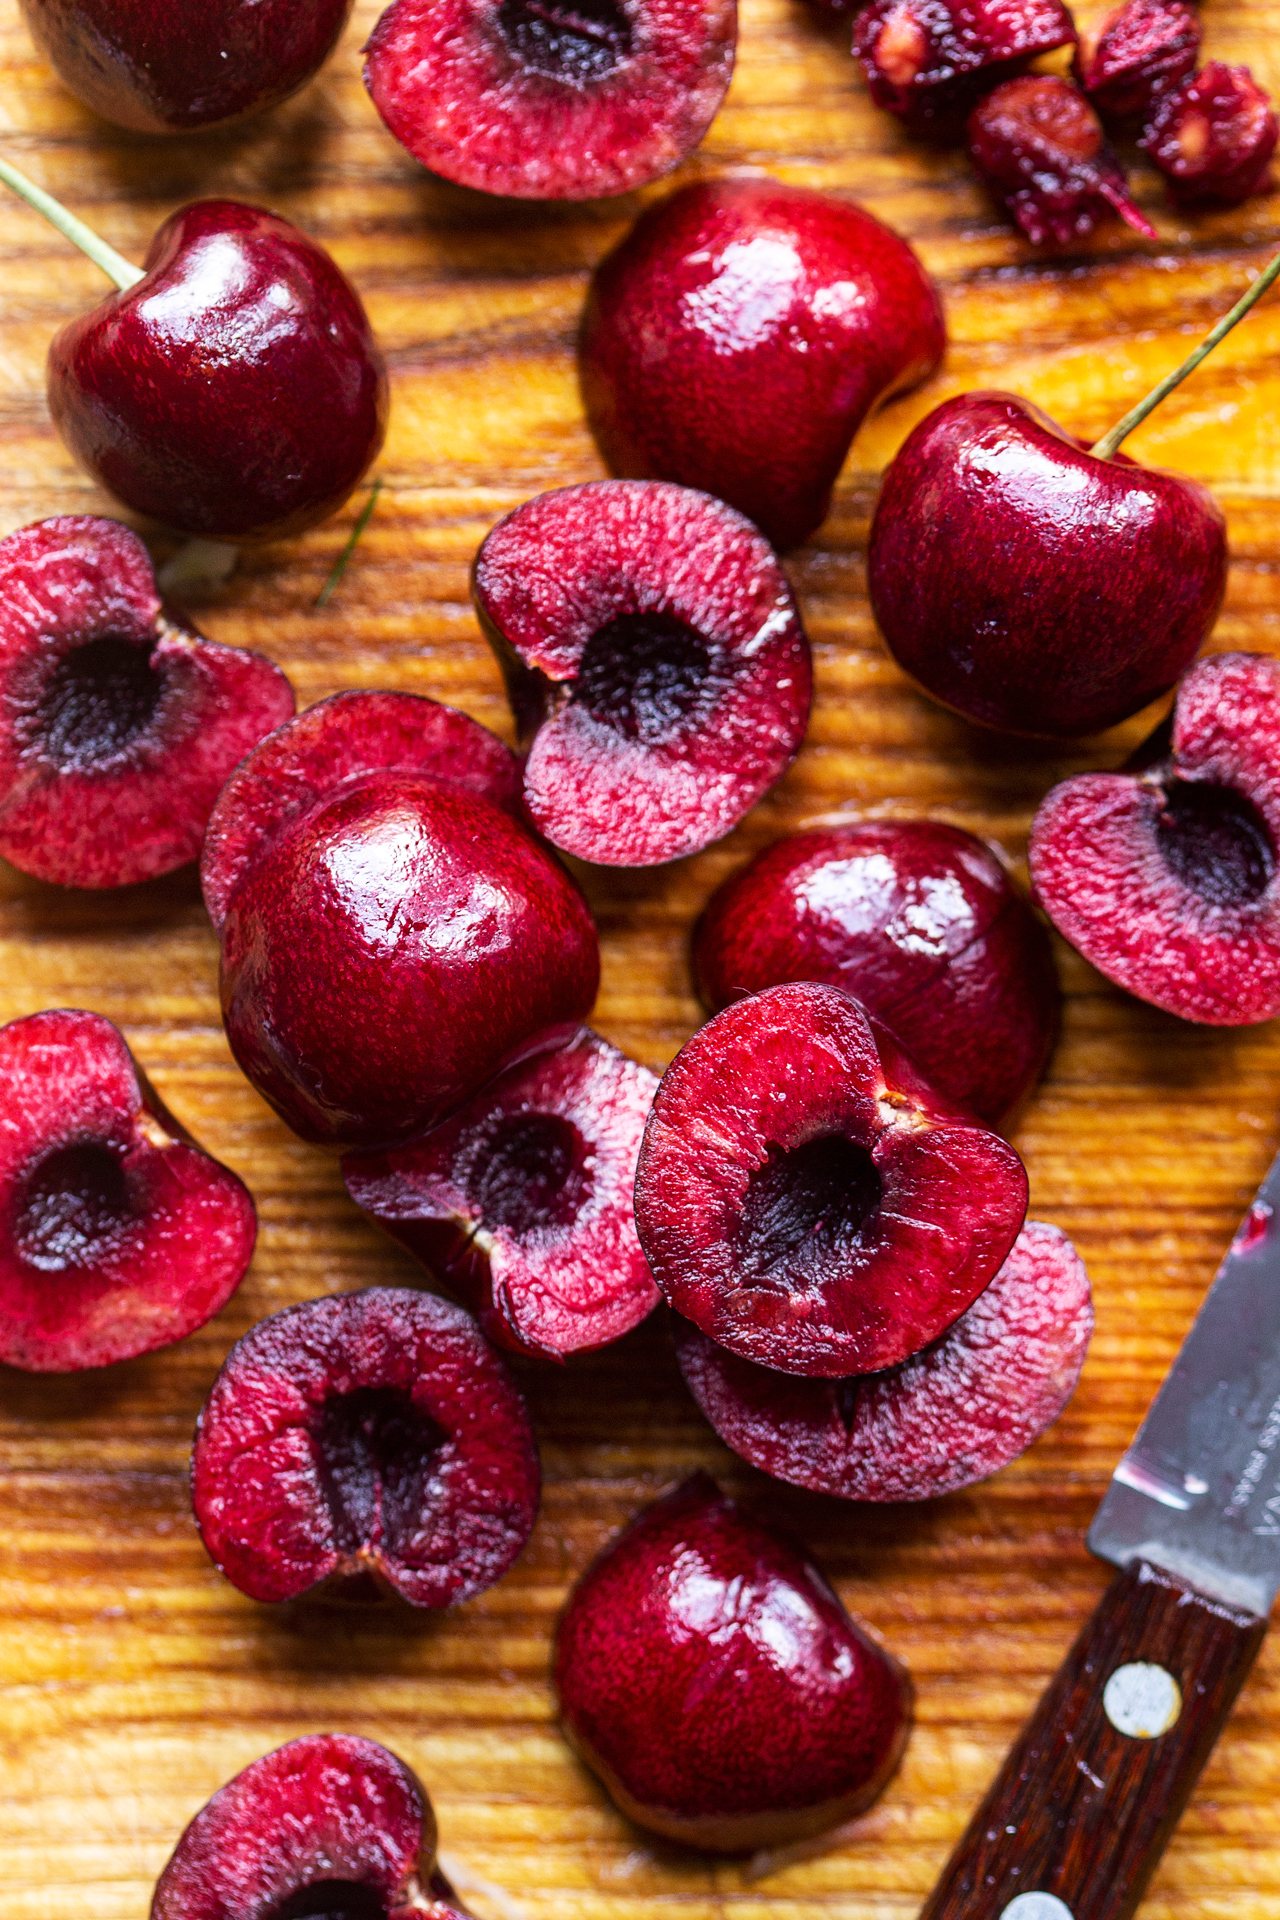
[
  {"x": 738, "y": 337},
  {"x": 919, "y": 921},
  {"x": 1167, "y": 877},
  {"x": 235, "y": 391},
  {"x": 365, "y": 1440},
  {"x": 1010, "y": 570},
  {"x": 1039, "y": 146},
  {"x": 1213, "y": 137},
  {"x": 391, "y": 938},
  {"x": 929, "y": 61},
  {"x": 1127, "y": 60},
  {"x": 948, "y": 1416},
  {"x": 807, "y": 1200},
  {"x": 118, "y": 1233},
  {"x": 153, "y": 66},
  {"x": 713, "y": 1680},
  {"x": 328, "y": 1827}
]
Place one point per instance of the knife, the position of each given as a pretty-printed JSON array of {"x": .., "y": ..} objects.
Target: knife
[{"x": 1084, "y": 1804}]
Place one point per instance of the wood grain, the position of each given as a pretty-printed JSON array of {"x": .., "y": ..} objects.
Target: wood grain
[
  {"x": 1081, "y": 1809},
  {"x": 133, "y": 1680}
]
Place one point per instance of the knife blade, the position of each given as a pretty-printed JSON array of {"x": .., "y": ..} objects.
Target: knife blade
[{"x": 1074, "y": 1823}]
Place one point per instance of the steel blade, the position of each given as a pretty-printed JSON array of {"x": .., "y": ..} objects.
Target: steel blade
[{"x": 1198, "y": 1492}]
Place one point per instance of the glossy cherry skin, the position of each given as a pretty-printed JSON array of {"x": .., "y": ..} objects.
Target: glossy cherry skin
[
  {"x": 1031, "y": 586},
  {"x": 146, "y": 64},
  {"x": 919, "y": 921},
  {"x": 711, "y": 1677},
  {"x": 738, "y": 337},
  {"x": 399, "y": 946},
  {"x": 236, "y": 392}
]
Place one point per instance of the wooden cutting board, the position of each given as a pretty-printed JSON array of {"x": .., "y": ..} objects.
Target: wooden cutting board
[{"x": 135, "y": 1680}]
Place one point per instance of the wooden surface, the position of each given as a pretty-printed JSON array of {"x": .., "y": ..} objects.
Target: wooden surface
[
  {"x": 1082, "y": 1808},
  {"x": 134, "y": 1679}
]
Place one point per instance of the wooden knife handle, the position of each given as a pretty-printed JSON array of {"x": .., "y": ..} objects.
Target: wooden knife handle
[{"x": 1083, "y": 1806}]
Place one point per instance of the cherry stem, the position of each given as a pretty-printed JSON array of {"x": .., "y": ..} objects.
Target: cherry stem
[
  {"x": 1134, "y": 418},
  {"x": 113, "y": 264},
  {"x": 332, "y": 584}
]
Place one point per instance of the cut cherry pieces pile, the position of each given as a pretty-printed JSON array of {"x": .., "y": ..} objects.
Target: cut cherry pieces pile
[{"x": 1039, "y": 141}]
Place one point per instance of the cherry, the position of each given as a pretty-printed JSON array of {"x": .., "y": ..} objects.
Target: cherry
[
  {"x": 328, "y": 1827},
  {"x": 947, "y": 1416},
  {"x": 1010, "y": 565},
  {"x": 119, "y": 722},
  {"x": 1050, "y": 627},
  {"x": 920, "y": 922},
  {"x": 740, "y": 334},
  {"x": 1213, "y": 137},
  {"x": 118, "y": 1234},
  {"x": 364, "y": 1439},
  {"x": 1039, "y": 146},
  {"x": 521, "y": 1204},
  {"x": 1165, "y": 877},
  {"x": 715, "y": 1683},
  {"x": 929, "y": 61},
  {"x": 145, "y": 64},
  {"x": 551, "y": 99},
  {"x": 807, "y": 1200},
  {"x": 1135, "y": 53},
  {"x": 232, "y": 389},
  {"x": 391, "y": 938}
]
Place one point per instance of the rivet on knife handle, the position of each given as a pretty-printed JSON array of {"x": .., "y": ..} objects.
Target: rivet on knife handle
[{"x": 1083, "y": 1806}]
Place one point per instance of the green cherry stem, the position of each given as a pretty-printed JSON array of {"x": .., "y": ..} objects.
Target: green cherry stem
[
  {"x": 332, "y": 584},
  {"x": 113, "y": 264},
  {"x": 1135, "y": 417}
]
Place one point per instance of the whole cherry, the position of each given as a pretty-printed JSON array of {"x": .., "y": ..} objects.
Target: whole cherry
[
  {"x": 1011, "y": 566},
  {"x": 919, "y": 921},
  {"x": 740, "y": 334},
  {"x": 232, "y": 389},
  {"x": 711, "y": 1677},
  {"x": 139, "y": 62},
  {"x": 391, "y": 938},
  {"x": 1010, "y": 570}
]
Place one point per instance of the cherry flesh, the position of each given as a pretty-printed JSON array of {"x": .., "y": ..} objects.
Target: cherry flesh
[
  {"x": 712, "y": 1679},
  {"x": 141, "y": 64},
  {"x": 1167, "y": 879},
  {"x": 740, "y": 334},
  {"x": 1039, "y": 146},
  {"x": 546, "y": 100},
  {"x": 807, "y": 1200},
  {"x": 521, "y": 1205},
  {"x": 920, "y": 922},
  {"x": 930, "y": 61},
  {"x": 118, "y": 1235},
  {"x": 328, "y": 1827},
  {"x": 236, "y": 392},
  {"x": 1049, "y": 626},
  {"x": 655, "y": 660},
  {"x": 1134, "y": 54},
  {"x": 366, "y": 1436},
  {"x": 118, "y": 721},
  {"x": 953, "y": 1414},
  {"x": 1213, "y": 137}
]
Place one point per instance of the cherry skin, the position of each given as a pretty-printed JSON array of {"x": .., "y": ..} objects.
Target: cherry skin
[
  {"x": 140, "y": 64},
  {"x": 236, "y": 392},
  {"x": 1031, "y": 586},
  {"x": 738, "y": 337}
]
